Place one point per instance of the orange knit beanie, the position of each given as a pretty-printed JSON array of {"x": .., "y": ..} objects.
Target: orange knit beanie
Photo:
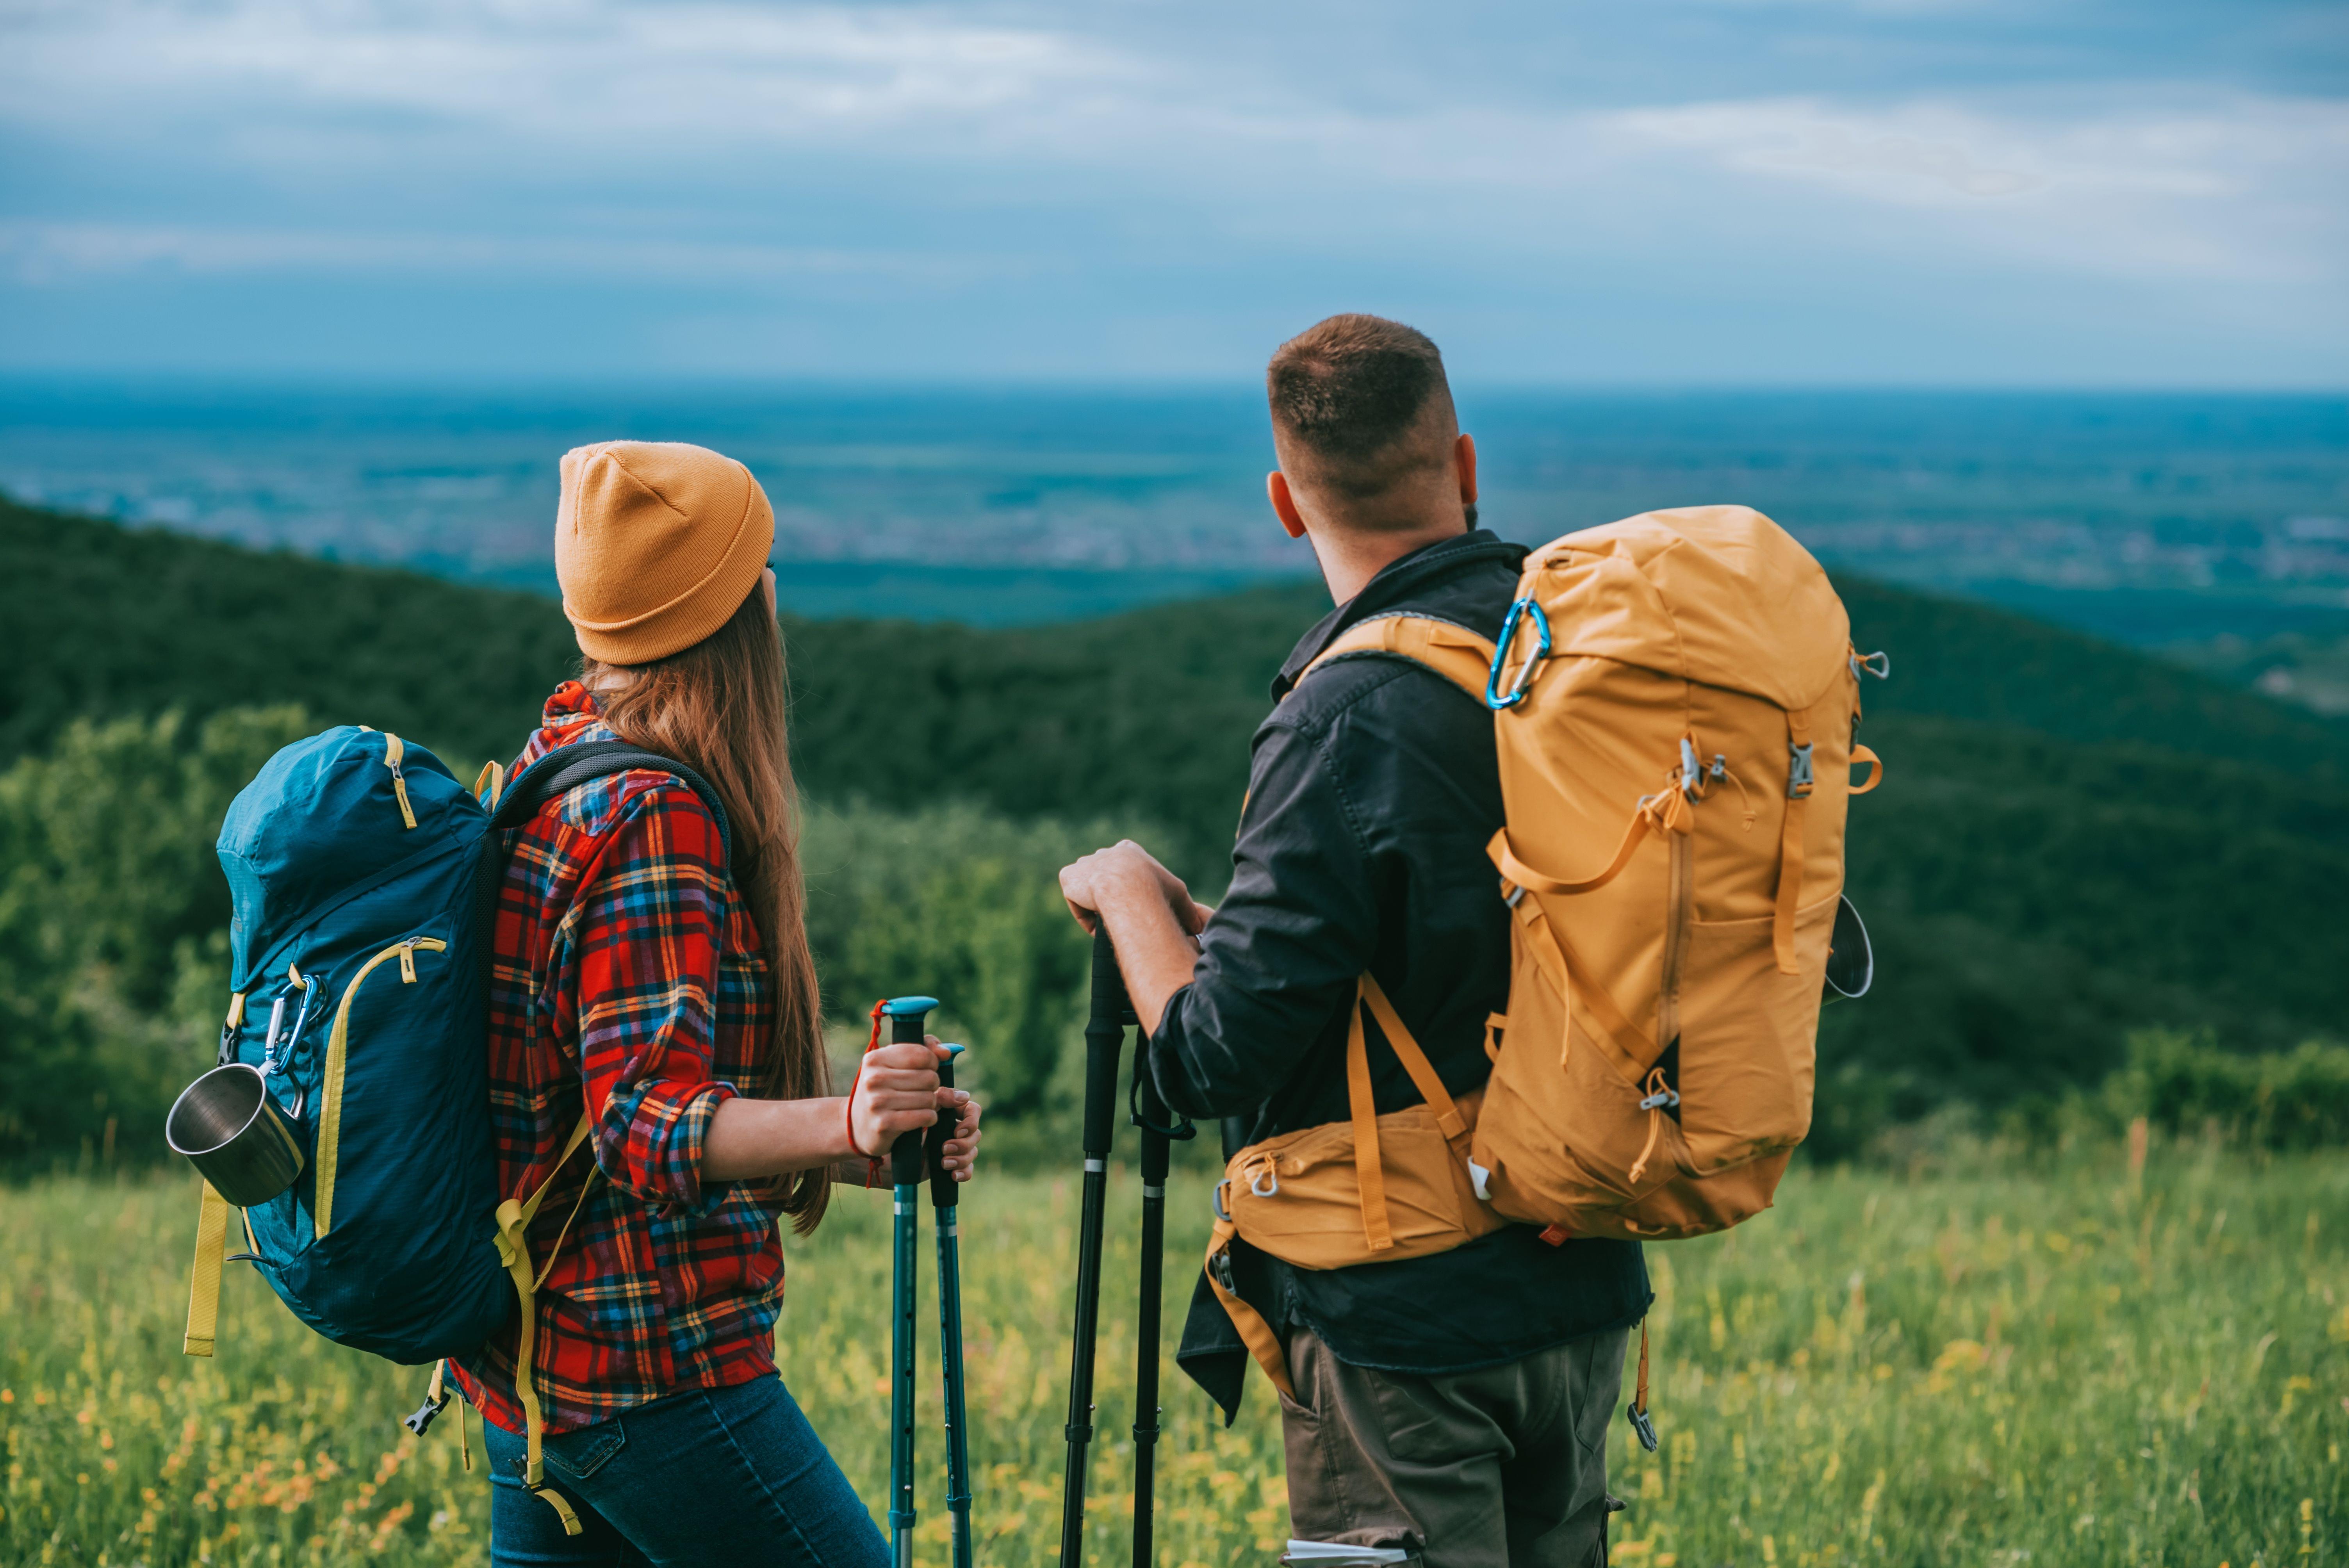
[{"x": 655, "y": 544}]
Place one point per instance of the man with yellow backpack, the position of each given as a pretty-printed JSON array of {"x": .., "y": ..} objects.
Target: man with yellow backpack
[
  {"x": 1532, "y": 906},
  {"x": 1453, "y": 1403}
]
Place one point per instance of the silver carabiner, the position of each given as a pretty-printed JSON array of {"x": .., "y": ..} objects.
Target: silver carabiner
[{"x": 1494, "y": 697}]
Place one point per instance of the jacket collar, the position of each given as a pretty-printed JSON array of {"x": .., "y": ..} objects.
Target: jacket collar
[{"x": 1397, "y": 582}]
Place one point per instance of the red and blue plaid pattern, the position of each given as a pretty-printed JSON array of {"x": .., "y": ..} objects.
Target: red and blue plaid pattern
[{"x": 629, "y": 982}]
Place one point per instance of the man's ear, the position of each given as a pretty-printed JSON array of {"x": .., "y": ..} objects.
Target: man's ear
[
  {"x": 1283, "y": 505},
  {"x": 1464, "y": 457}
]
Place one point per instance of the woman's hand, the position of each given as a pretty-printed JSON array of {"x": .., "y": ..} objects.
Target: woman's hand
[
  {"x": 962, "y": 1148},
  {"x": 897, "y": 1092}
]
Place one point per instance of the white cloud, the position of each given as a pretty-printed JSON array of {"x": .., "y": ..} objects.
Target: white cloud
[
  {"x": 921, "y": 145},
  {"x": 2243, "y": 187},
  {"x": 587, "y": 72},
  {"x": 49, "y": 253}
]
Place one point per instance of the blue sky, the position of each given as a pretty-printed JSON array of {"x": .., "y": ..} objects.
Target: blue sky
[{"x": 2043, "y": 192}]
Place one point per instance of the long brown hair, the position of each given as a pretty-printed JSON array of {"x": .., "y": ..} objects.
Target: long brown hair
[{"x": 719, "y": 707}]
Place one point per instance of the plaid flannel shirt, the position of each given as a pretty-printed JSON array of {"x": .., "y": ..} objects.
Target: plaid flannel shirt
[{"x": 629, "y": 982}]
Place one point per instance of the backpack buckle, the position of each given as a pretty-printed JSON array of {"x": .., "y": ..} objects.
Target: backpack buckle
[
  {"x": 1799, "y": 779},
  {"x": 425, "y": 1413},
  {"x": 1642, "y": 1425},
  {"x": 1220, "y": 1266}
]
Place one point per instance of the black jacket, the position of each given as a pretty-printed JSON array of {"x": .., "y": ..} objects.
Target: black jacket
[{"x": 1372, "y": 790}]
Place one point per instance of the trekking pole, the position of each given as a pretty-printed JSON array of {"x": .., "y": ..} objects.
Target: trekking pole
[
  {"x": 943, "y": 1198},
  {"x": 1149, "y": 1113},
  {"x": 1104, "y": 1038},
  {"x": 906, "y": 1015}
]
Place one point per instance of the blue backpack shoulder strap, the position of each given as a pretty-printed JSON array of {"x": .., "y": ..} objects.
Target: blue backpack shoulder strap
[{"x": 567, "y": 766}]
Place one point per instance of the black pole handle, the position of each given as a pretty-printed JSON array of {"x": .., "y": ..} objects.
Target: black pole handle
[
  {"x": 1104, "y": 1038},
  {"x": 905, "y": 1154},
  {"x": 943, "y": 1185}
]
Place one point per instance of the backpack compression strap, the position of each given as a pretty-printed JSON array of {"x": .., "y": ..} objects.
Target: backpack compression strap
[
  {"x": 1456, "y": 653},
  {"x": 566, "y": 767}
]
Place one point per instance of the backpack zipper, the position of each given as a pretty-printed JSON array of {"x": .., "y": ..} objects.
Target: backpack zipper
[
  {"x": 393, "y": 750},
  {"x": 330, "y": 1108}
]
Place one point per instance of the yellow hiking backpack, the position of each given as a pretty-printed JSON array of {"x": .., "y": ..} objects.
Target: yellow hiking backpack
[{"x": 1676, "y": 702}]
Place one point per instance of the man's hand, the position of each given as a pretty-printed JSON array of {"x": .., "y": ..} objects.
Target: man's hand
[
  {"x": 1151, "y": 917},
  {"x": 1126, "y": 871}
]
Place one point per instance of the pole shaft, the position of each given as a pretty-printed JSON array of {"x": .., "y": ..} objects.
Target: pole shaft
[
  {"x": 944, "y": 1200},
  {"x": 906, "y": 1158},
  {"x": 1105, "y": 1038},
  {"x": 1155, "y": 1151},
  {"x": 951, "y": 1339}
]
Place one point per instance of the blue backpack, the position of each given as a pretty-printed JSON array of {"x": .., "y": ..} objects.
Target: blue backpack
[{"x": 364, "y": 881}]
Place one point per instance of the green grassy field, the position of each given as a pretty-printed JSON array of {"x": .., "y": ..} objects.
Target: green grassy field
[{"x": 2054, "y": 1364}]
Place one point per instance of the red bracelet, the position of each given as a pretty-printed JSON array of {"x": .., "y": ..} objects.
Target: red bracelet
[{"x": 848, "y": 1112}]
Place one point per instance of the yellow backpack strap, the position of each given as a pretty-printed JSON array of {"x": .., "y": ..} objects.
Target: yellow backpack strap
[
  {"x": 204, "y": 1279},
  {"x": 1369, "y": 1173},
  {"x": 1799, "y": 784},
  {"x": 514, "y": 1216},
  {"x": 1456, "y": 653},
  {"x": 1666, "y": 811},
  {"x": 1254, "y": 1332},
  {"x": 1414, "y": 1060},
  {"x": 1862, "y": 754}
]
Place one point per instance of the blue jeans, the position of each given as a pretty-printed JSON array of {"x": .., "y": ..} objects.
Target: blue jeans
[{"x": 707, "y": 1476}]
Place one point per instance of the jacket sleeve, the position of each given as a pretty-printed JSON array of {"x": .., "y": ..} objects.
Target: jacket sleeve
[
  {"x": 646, "y": 931},
  {"x": 1284, "y": 947}
]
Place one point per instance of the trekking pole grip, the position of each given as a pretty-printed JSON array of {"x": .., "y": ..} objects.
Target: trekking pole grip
[
  {"x": 1104, "y": 1038},
  {"x": 942, "y": 1181},
  {"x": 907, "y": 1016}
]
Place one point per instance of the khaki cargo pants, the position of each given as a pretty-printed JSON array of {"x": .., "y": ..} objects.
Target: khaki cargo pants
[{"x": 1505, "y": 1468}]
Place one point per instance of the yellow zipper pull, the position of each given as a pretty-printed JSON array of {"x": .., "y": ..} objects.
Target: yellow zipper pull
[
  {"x": 408, "y": 962},
  {"x": 392, "y": 752}
]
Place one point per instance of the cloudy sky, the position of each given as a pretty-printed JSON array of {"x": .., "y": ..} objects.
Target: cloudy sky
[{"x": 2066, "y": 192}]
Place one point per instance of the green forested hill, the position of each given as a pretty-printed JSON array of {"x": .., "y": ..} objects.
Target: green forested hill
[
  {"x": 2073, "y": 839},
  {"x": 97, "y": 620}
]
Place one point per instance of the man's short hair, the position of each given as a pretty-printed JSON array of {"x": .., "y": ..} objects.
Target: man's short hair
[{"x": 1347, "y": 392}]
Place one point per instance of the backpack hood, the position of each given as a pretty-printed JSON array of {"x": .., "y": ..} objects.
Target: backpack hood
[
  {"x": 1718, "y": 595},
  {"x": 321, "y": 823}
]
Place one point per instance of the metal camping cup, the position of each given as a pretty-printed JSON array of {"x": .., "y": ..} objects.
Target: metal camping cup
[
  {"x": 228, "y": 1127},
  {"x": 1851, "y": 961}
]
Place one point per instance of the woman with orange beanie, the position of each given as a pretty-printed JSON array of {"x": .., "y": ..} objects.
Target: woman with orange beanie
[{"x": 646, "y": 980}]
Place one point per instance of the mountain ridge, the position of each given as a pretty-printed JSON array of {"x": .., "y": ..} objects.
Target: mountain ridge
[{"x": 2074, "y": 839}]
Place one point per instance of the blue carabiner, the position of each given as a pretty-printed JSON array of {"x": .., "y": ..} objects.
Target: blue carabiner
[{"x": 1495, "y": 698}]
